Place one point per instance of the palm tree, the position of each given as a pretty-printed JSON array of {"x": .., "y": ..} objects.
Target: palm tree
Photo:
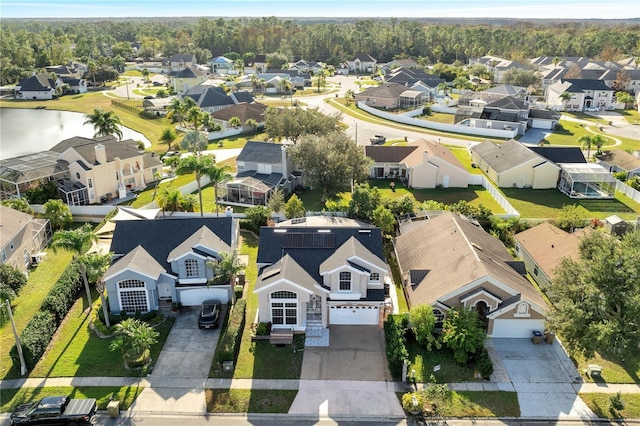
[
  {"x": 442, "y": 87},
  {"x": 93, "y": 68},
  {"x": 217, "y": 175},
  {"x": 170, "y": 199},
  {"x": 200, "y": 165},
  {"x": 251, "y": 123},
  {"x": 168, "y": 136},
  {"x": 195, "y": 116},
  {"x": 176, "y": 110},
  {"x": 226, "y": 268},
  {"x": 321, "y": 79},
  {"x": 104, "y": 123},
  {"x": 565, "y": 97},
  {"x": 194, "y": 142},
  {"x": 134, "y": 338},
  {"x": 235, "y": 122},
  {"x": 145, "y": 74},
  {"x": 189, "y": 203},
  {"x": 97, "y": 265},
  {"x": 555, "y": 61},
  {"x": 589, "y": 141},
  {"x": 76, "y": 241}
]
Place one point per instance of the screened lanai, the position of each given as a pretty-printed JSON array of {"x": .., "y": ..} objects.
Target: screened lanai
[
  {"x": 246, "y": 191},
  {"x": 19, "y": 174},
  {"x": 586, "y": 180}
]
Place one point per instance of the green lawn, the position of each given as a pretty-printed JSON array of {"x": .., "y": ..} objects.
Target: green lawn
[
  {"x": 478, "y": 404},
  {"x": 584, "y": 116},
  {"x": 423, "y": 362},
  {"x": 397, "y": 279},
  {"x": 126, "y": 395},
  {"x": 249, "y": 401},
  {"x": 547, "y": 203},
  {"x": 439, "y": 117},
  {"x": 76, "y": 351},
  {"x": 613, "y": 370},
  {"x": 146, "y": 196},
  {"x": 463, "y": 155},
  {"x": 40, "y": 281},
  {"x": 631, "y": 115},
  {"x": 569, "y": 132},
  {"x": 599, "y": 404}
]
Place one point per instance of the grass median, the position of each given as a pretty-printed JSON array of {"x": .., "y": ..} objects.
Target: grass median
[{"x": 103, "y": 394}]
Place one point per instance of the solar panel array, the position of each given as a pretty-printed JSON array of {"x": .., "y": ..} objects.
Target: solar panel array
[{"x": 308, "y": 240}]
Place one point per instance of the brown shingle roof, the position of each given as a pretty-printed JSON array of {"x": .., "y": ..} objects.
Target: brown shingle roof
[
  {"x": 243, "y": 111},
  {"x": 434, "y": 150},
  {"x": 620, "y": 158},
  {"x": 11, "y": 222},
  {"x": 388, "y": 154},
  {"x": 386, "y": 91}
]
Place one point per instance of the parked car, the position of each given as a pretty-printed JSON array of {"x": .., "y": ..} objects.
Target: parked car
[
  {"x": 149, "y": 97},
  {"x": 157, "y": 83},
  {"x": 55, "y": 410},
  {"x": 593, "y": 109},
  {"x": 209, "y": 314},
  {"x": 378, "y": 139}
]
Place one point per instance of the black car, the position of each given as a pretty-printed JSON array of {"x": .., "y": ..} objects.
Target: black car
[
  {"x": 209, "y": 314},
  {"x": 149, "y": 97}
]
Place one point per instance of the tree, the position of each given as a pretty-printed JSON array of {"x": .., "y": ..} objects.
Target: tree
[
  {"x": 626, "y": 99},
  {"x": 251, "y": 123},
  {"x": 258, "y": 216},
  {"x": 196, "y": 117},
  {"x": 565, "y": 97},
  {"x": 12, "y": 277},
  {"x": 384, "y": 219},
  {"x": 596, "y": 298},
  {"x": 58, "y": 213},
  {"x": 293, "y": 123},
  {"x": 332, "y": 162},
  {"x": 170, "y": 199},
  {"x": 168, "y": 136},
  {"x": 400, "y": 206},
  {"x": 133, "y": 339},
  {"x": 226, "y": 268},
  {"x": 235, "y": 122},
  {"x": 104, "y": 123},
  {"x": 200, "y": 165},
  {"x": 321, "y": 79},
  {"x": 462, "y": 332},
  {"x": 96, "y": 265},
  {"x": 217, "y": 175},
  {"x": 423, "y": 323},
  {"x": 189, "y": 203},
  {"x": 571, "y": 216},
  {"x": 442, "y": 87},
  {"x": 364, "y": 201},
  {"x": 275, "y": 61},
  {"x": 145, "y": 74},
  {"x": 591, "y": 140},
  {"x": 521, "y": 77},
  {"x": 294, "y": 208},
  {"x": 462, "y": 83},
  {"x": 276, "y": 201},
  {"x": 194, "y": 142},
  {"x": 176, "y": 110},
  {"x": 20, "y": 204},
  {"x": 77, "y": 241}
]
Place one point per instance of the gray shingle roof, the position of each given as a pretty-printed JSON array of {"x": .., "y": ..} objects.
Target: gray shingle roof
[
  {"x": 261, "y": 152},
  {"x": 502, "y": 157},
  {"x": 138, "y": 260},
  {"x": 243, "y": 111},
  {"x": 386, "y": 91},
  {"x": 214, "y": 96},
  {"x": 203, "y": 238},
  {"x": 351, "y": 248},
  {"x": 390, "y": 154},
  {"x": 285, "y": 269},
  {"x": 37, "y": 83},
  {"x": 85, "y": 147}
]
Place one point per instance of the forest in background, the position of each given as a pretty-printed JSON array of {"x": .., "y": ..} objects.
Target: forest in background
[{"x": 26, "y": 45}]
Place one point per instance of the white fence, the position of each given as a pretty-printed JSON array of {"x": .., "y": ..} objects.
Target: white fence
[
  {"x": 443, "y": 127},
  {"x": 504, "y": 203},
  {"x": 628, "y": 191},
  {"x": 82, "y": 213}
]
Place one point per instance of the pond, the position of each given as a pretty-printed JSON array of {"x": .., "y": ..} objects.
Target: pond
[{"x": 25, "y": 131}]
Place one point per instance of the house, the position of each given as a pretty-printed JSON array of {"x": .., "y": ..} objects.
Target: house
[
  {"x": 498, "y": 66},
  {"x": 312, "y": 276},
  {"x": 479, "y": 99},
  {"x": 618, "y": 160},
  {"x": 259, "y": 63},
  {"x": 420, "y": 164},
  {"x": 243, "y": 111},
  {"x": 362, "y": 63},
  {"x": 22, "y": 238},
  {"x": 447, "y": 262},
  {"x": 513, "y": 165},
  {"x": 70, "y": 69},
  {"x": 557, "y": 154},
  {"x": 168, "y": 260},
  {"x": 391, "y": 95},
  {"x": 584, "y": 94},
  {"x": 586, "y": 180},
  {"x": 222, "y": 65},
  {"x": 214, "y": 98},
  {"x": 543, "y": 247},
  {"x": 263, "y": 167},
  {"x": 75, "y": 85},
  {"x": 506, "y": 113},
  {"x": 632, "y": 77},
  {"x": 305, "y": 67},
  {"x": 178, "y": 62},
  {"x": 410, "y": 77},
  {"x": 404, "y": 63},
  {"x": 543, "y": 119},
  {"x": 186, "y": 78},
  {"x": 103, "y": 168},
  {"x": 39, "y": 86}
]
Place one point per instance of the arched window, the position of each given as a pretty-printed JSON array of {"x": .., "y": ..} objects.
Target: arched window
[
  {"x": 345, "y": 281},
  {"x": 133, "y": 296},
  {"x": 284, "y": 308},
  {"x": 522, "y": 310},
  {"x": 284, "y": 295},
  {"x": 191, "y": 268}
]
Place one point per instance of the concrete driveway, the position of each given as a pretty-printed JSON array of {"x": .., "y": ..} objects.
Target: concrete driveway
[
  {"x": 348, "y": 378},
  {"x": 543, "y": 376}
]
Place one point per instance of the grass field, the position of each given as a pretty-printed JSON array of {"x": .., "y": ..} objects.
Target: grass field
[
  {"x": 249, "y": 401},
  {"x": 569, "y": 132},
  {"x": 103, "y": 394},
  {"x": 613, "y": 370},
  {"x": 476, "y": 404},
  {"x": 423, "y": 362},
  {"x": 631, "y": 115},
  {"x": 600, "y": 404}
]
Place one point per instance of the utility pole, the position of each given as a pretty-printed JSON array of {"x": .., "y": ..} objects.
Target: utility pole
[{"x": 23, "y": 365}]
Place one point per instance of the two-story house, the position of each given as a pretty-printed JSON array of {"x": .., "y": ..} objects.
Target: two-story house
[
  {"x": 39, "y": 86},
  {"x": 178, "y": 62},
  {"x": 22, "y": 238},
  {"x": 262, "y": 168},
  {"x": 186, "y": 78},
  {"x": 168, "y": 260},
  {"x": 585, "y": 94},
  {"x": 317, "y": 274},
  {"x": 362, "y": 62},
  {"x": 222, "y": 65}
]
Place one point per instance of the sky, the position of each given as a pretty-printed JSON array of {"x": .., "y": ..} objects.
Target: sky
[{"x": 556, "y": 9}]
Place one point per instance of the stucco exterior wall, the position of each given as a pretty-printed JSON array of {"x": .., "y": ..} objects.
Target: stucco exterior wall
[
  {"x": 22, "y": 241},
  {"x": 111, "y": 286}
]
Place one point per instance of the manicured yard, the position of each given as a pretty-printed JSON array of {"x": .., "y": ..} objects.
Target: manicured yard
[
  {"x": 569, "y": 132},
  {"x": 613, "y": 371},
  {"x": 631, "y": 115},
  {"x": 547, "y": 203},
  {"x": 423, "y": 362},
  {"x": 397, "y": 279},
  {"x": 479, "y": 404},
  {"x": 40, "y": 281},
  {"x": 439, "y": 117},
  {"x": 585, "y": 116},
  {"x": 126, "y": 395},
  {"x": 77, "y": 351},
  {"x": 249, "y": 401},
  {"x": 146, "y": 196},
  {"x": 599, "y": 403},
  {"x": 462, "y": 154}
]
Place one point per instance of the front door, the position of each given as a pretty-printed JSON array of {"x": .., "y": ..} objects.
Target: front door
[{"x": 314, "y": 307}]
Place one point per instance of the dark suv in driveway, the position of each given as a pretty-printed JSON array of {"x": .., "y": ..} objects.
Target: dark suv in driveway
[{"x": 209, "y": 314}]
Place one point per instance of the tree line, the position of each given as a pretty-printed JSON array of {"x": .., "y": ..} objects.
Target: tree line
[{"x": 25, "y": 45}]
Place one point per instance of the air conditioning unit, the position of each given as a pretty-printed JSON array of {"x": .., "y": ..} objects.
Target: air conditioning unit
[{"x": 35, "y": 259}]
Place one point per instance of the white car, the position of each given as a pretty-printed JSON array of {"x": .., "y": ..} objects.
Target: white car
[{"x": 593, "y": 109}]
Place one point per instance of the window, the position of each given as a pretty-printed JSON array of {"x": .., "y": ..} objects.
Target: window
[
  {"x": 4, "y": 255},
  {"x": 90, "y": 182},
  {"x": 535, "y": 271},
  {"x": 374, "y": 276},
  {"x": 77, "y": 175},
  {"x": 345, "y": 281},
  {"x": 284, "y": 308},
  {"x": 522, "y": 310},
  {"x": 133, "y": 296},
  {"x": 11, "y": 246},
  {"x": 440, "y": 316},
  {"x": 191, "y": 267}
]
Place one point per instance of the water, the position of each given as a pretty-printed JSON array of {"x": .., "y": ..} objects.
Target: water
[{"x": 26, "y": 131}]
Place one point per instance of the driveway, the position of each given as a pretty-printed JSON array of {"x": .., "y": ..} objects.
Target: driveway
[
  {"x": 543, "y": 376},
  {"x": 348, "y": 378}
]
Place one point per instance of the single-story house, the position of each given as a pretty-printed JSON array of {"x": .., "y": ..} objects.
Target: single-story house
[
  {"x": 315, "y": 276},
  {"x": 448, "y": 262},
  {"x": 543, "y": 247},
  {"x": 505, "y": 113},
  {"x": 513, "y": 165},
  {"x": 618, "y": 160},
  {"x": 243, "y": 111},
  {"x": 420, "y": 164},
  {"x": 391, "y": 95},
  {"x": 167, "y": 260},
  {"x": 22, "y": 238}
]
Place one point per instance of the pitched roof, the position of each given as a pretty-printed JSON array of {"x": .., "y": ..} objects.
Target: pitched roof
[
  {"x": 85, "y": 147},
  {"x": 240, "y": 97},
  {"x": 544, "y": 114},
  {"x": 138, "y": 260},
  {"x": 586, "y": 84},
  {"x": 505, "y": 156},
  {"x": 12, "y": 222},
  {"x": 243, "y": 111},
  {"x": 451, "y": 253},
  {"x": 620, "y": 158},
  {"x": 213, "y": 96},
  {"x": 201, "y": 239},
  {"x": 37, "y": 83},
  {"x": 261, "y": 152},
  {"x": 508, "y": 102},
  {"x": 386, "y": 90},
  {"x": 388, "y": 154},
  {"x": 505, "y": 90},
  {"x": 189, "y": 72},
  {"x": 560, "y": 154},
  {"x": 547, "y": 244},
  {"x": 183, "y": 57},
  {"x": 347, "y": 251},
  {"x": 363, "y": 57},
  {"x": 285, "y": 269},
  {"x": 160, "y": 236}
]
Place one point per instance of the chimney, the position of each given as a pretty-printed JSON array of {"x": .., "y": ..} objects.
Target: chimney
[{"x": 101, "y": 154}]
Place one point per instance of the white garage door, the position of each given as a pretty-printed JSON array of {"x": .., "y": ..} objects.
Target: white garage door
[
  {"x": 194, "y": 297},
  {"x": 516, "y": 328},
  {"x": 354, "y": 315},
  {"x": 541, "y": 124}
]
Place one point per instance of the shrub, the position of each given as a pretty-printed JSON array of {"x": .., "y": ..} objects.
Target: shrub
[
  {"x": 35, "y": 338},
  {"x": 258, "y": 216},
  {"x": 484, "y": 364},
  {"x": 408, "y": 405},
  {"x": 263, "y": 329},
  {"x": 118, "y": 318},
  {"x": 64, "y": 293},
  {"x": 12, "y": 277},
  {"x": 396, "y": 350},
  {"x": 230, "y": 340},
  {"x": 238, "y": 290},
  {"x": 616, "y": 403}
]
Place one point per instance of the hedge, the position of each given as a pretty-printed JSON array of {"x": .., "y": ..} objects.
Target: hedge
[
  {"x": 396, "y": 350},
  {"x": 35, "y": 338},
  {"x": 64, "y": 293},
  {"x": 230, "y": 340},
  {"x": 118, "y": 318}
]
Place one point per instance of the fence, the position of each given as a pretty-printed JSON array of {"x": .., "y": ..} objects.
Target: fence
[
  {"x": 124, "y": 106},
  {"x": 443, "y": 127},
  {"x": 628, "y": 191},
  {"x": 82, "y": 213}
]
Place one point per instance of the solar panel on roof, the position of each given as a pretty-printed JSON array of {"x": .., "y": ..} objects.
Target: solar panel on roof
[{"x": 308, "y": 240}]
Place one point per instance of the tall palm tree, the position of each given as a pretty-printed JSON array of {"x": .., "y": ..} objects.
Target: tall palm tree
[
  {"x": 97, "y": 265},
  {"x": 194, "y": 142},
  {"x": 565, "y": 97},
  {"x": 76, "y": 241},
  {"x": 200, "y": 165},
  {"x": 104, "y": 123},
  {"x": 196, "y": 116},
  {"x": 170, "y": 199},
  {"x": 176, "y": 110},
  {"x": 589, "y": 141},
  {"x": 217, "y": 175},
  {"x": 442, "y": 87},
  {"x": 168, "y": 136}
]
